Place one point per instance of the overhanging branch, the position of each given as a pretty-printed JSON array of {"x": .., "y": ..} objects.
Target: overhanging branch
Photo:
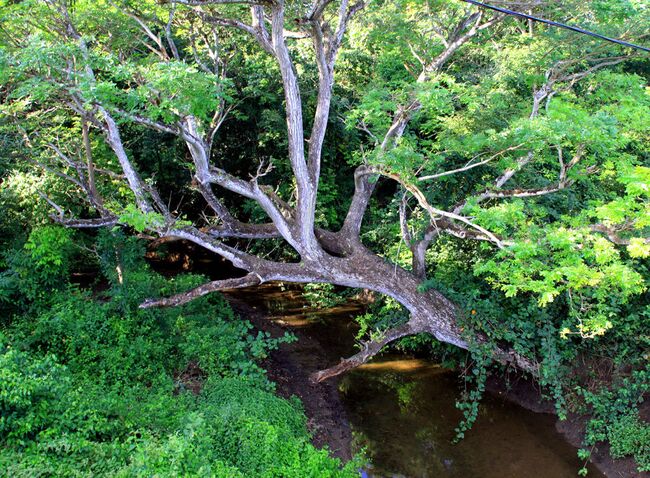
[{"x": 184, "y": 297}]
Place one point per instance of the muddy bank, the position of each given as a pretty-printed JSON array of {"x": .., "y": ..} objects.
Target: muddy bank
[
  {"x": 573, "y": 430},
  {"x": 287, "y": 367},
  {"x": 527, "y": 394}
]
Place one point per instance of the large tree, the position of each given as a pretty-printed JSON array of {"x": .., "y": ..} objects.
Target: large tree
[{"x": 80, "y": 78}]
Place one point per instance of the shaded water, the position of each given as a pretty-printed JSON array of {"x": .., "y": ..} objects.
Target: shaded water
[{"x": 402, "y": 410}]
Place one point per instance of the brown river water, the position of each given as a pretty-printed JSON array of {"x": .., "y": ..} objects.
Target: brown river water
[{"x": 402, "y": 409}]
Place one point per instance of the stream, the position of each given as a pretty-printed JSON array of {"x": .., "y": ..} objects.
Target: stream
[{"x": 401, "y": 409}]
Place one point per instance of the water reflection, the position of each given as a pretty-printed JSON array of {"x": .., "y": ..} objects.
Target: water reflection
[{"x": 403, "y": 414}]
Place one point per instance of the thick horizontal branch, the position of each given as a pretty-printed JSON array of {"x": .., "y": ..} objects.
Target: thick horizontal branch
[
  {"x": 184, "y": 297},
  {"x": 373, "y": 347},
  {"x": 85, "y": 223},
  {"x": 242, "y": 230}
]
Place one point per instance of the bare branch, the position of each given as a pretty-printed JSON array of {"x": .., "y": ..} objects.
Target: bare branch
[
  {"x": 362, "y": 126},
  {"x": 364, "y": 185},
  {"x": 471, "y": 165},
  {"x": 557, "y": 74},
  {"x": 94, "y": 197},
  {"x": 317, "y": 9},
  {"x": 86, "y": 223},
  {"x": 403, "y": 220},
  {"x": 136, "y": 184},
  {"x": 161, "y": 51},
  {"x": 168, "y": 34},
  {"x": 60, "y": 174},
  {"x": 306, "y": 184},
  {"x": 256, "y": 30},
  {"x": 612, "y": 234},
  {"x": 373, "y": 347},
  {"x": 215, "y": 204},
  {"x": 58, "y": 208},
  {"x": 368, "y": 350},
  {"x": 500, "y": 181},
  {"x": 434, "y": 212},
  {"x": 345, "y": 15},
  {"x": 405, "y": 112},
  {"x": 185, "y": 297},
  {"x": 240, "y": 230},
  {"x": 321, "y": 116},
  {"x": 562, "y": 183},
  {"x": 144, "y": 121}
]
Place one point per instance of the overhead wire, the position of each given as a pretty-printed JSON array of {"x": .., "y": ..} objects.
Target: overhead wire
[{"x": 557, "y": 24}]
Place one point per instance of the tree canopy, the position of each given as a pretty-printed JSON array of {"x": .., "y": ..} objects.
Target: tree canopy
[{"x": 488, "y": 175}]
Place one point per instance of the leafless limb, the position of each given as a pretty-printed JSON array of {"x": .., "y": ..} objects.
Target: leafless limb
[
  {"x": 470, "y": 165},
  {"x": 613, "y": 233},
  {"x": 185, "y": 297}
]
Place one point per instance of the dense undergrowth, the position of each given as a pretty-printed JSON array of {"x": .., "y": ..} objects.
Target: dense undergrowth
[{"x": 90, "y": 385}]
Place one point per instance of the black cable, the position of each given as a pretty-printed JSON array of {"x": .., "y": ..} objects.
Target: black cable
[{"x": 556, "y": 24}]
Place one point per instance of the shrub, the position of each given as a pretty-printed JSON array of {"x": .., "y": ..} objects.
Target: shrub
[
  {"x": 237, "y": 430},
  {"x": 90, "y": 387},
  {"x": 628, "y": 436},
  {"x": 30, "y": 390}
]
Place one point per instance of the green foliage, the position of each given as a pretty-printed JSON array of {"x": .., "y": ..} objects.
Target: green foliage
[
  {"x": 29, "y": 389},
  {"x": 236, "y": 431},
  {"x": 91, "y": 385},
  {"x": 140, "y": 221},
  {"x": 42, "y": 264},
  {"x": 115, "y": 248},
  {"x": 49, "y": 247},
  {"x": 321, "y": 296},
  {"x": 469, "y": 404},
  {"x": 231, "y": 429},
  {"x": 20, "y": 206},
  {"x": 168, "y": 90},
  {"x": 553, "y": 260},
  {"x": 628, "y": 436},
  {"x": 381, "y": 316},
  {"x": 614, "y": 417}
]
